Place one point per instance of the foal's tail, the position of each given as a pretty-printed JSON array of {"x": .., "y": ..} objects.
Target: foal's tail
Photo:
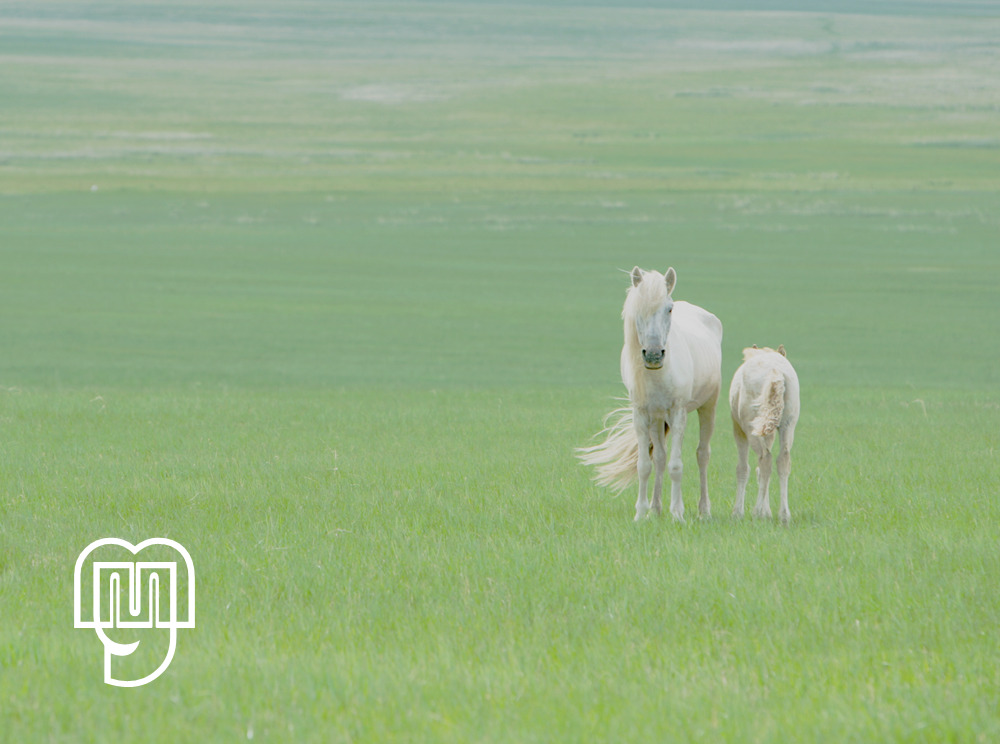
[
  {"x": 617, "y": 457},
  {"x": 772, "y": 406}
]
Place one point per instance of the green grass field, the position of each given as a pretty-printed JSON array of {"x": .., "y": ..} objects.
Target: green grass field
[{"x": 329, "y": 292}]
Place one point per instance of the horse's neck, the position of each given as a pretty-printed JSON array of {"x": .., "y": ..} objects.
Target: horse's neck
[{"x": 652, "y": 389}]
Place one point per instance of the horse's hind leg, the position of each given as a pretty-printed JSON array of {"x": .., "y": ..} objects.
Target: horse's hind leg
[
  {"x": 706, "y": 425},
  {"x": 742, "y": 468},
  {"x": 787, "y": 435},
  {"x": 761, "y": 447}
]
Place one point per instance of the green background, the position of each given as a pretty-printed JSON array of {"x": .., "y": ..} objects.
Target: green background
[{"x": 329, "y": 292}]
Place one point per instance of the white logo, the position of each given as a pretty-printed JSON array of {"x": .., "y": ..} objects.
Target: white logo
[{"x": 110, "y": 578}]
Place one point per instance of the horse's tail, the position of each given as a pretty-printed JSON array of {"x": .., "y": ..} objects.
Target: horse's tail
[
  {"x": 772, "y": 406},
  {"x": 617, "y": 457}
]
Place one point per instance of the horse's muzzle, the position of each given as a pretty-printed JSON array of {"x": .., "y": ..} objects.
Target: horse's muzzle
[{"x": 653, "y": 359}]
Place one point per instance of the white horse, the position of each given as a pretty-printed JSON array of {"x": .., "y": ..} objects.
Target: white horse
[
  {"x": 671, "y": 364},
  {"x": 764, "y": 399}
]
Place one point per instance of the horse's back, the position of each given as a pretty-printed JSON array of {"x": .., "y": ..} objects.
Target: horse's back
[
  {"x": 702, "y": 335},
  {"x": 699, "y": 320}
]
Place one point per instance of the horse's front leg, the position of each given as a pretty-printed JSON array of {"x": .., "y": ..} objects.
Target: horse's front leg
[
  {"x": 644, "y": 466},
  {"x": 659, "y": 455},
  {"x": 675, "y": 466}
]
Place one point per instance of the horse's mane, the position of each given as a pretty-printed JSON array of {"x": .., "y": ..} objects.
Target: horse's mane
[{"x": 646, "y": 296}]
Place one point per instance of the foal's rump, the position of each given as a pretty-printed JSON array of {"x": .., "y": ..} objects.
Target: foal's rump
[{"x": 764, "y": 393}]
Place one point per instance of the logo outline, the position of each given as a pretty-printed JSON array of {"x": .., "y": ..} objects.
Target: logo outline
[{"x": 134, "y": 568}]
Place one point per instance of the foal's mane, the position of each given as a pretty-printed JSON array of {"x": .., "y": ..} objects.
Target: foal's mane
[{"x": 751, "y": 350}]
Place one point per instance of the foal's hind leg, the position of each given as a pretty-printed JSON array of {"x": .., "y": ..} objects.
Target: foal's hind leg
[
  {"x": 742, "y": 468},
  {"x": 762, "y": 447},
  {"x": 706, "y": 425},
  {"x": 787, "y": 435}
]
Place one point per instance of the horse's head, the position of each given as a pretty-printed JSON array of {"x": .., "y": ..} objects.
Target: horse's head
[{"x": 649, "y": 307}]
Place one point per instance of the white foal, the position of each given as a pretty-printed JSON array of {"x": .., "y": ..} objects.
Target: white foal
[{"x": 764, "y": 400}]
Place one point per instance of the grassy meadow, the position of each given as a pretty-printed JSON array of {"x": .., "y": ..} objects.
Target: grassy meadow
[{"x": 329, "y": 292}]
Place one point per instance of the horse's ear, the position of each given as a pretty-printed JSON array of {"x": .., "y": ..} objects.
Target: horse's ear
[
  {"x": 781, "y": 350},
  {"x": 671, "y": 279},
  {"x": 636, "y": 276}
]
